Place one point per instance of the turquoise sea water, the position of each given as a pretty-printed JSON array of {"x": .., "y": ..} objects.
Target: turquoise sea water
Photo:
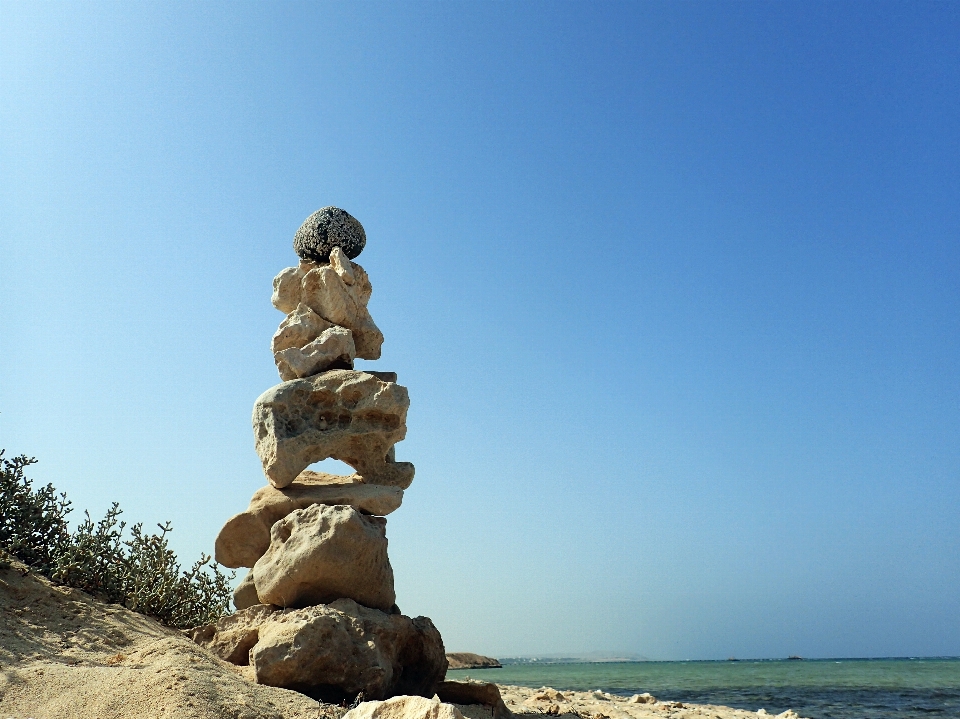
[{"x": 818, "y": 689}]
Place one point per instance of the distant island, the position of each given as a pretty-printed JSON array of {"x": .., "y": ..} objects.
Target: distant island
[
  {"x": 589, "y": 658},
  {"x": 467, "y": 660}
]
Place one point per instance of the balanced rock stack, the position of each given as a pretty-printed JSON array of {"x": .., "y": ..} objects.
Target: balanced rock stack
[{"x": 317, "y": 612}]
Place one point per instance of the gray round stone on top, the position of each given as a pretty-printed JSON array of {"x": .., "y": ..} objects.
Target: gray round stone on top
[{"x": 325, "y": 229}]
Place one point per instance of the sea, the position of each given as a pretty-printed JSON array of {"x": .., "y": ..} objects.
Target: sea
[{"x": 814, "y": 688}]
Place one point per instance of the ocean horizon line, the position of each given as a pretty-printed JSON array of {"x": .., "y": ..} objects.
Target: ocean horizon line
[{"x": 574, "y": 659}]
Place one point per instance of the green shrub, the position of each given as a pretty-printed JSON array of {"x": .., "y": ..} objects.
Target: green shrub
[{"x": 140, "y": 572}]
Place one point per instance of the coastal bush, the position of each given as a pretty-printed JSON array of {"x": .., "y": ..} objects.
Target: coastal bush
[{"x": 141, "y": 572}]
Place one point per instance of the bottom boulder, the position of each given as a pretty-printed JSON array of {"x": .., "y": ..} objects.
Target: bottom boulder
[{"x": 333, "y": 652}]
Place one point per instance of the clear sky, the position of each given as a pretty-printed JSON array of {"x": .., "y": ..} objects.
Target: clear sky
[{"x": 673, "y": 286}]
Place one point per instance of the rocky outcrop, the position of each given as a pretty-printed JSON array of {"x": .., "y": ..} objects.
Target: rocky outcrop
[
  {"x": 320, "y": 554},
  {"x": 404, "y": 707},
  {"x": 468, "y": 660},
  {"x": 246, "y": 536},
  {"x": 333, "y": 651},
  {"x": 352, "y": 416}
]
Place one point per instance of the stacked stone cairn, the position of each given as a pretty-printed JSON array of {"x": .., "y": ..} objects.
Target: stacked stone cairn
[{"x": 317, "y": 612}]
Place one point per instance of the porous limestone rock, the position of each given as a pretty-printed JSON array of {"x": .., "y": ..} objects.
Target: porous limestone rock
[
  {"x": 341, "y": 649},
  {"x": 246, "y": 536},
  {"x": 245, "y": 595},
  {"x": 352, "y": 416},
  {"x": 333, "y": 349},
  {"x": 298, "y": 329},
  {"x": 232, "y": 637},
  {"x": 336, "y": 293},
  {"x": 342, "y": 266},
  {"x": 320, "y": 554},
  {"x": 332, "y": 651},
  {"x": 286, "y": 287},
  {"x": 326, "y": 229},
  {"x": 324, "y": 291},
  {"x": 405, "y": 707}
]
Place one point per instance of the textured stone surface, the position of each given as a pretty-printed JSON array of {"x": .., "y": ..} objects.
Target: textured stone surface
[
  {"x": 342, "y": 649},
  {"x": 324, "y": 291},
  {"x": 246, "y": 536},
  {"x": 342, "y": 266},
  {"x": 352, "y": 416},
  {"x": 320, "y": 554},
  {"x": 232, "y": 637},
  {"x": 325, "y": 229},
  {"x": 336, "y": 293},
  {"x": 245, "y": 595},
  {"x": 333, "y": 349},
  {"x": 405, "y": 707},
  {"x": 333, "y": 651},
  {"x": 286, "y": 287},
  {"x": 298, "y": 329}
]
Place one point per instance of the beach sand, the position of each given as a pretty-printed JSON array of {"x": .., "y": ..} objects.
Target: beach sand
[{"x": 66, "y": 655}]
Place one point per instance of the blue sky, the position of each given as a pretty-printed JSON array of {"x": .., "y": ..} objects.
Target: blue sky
[{"x": 674, "y": 288}]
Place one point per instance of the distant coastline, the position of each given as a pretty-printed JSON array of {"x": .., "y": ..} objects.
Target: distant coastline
[
  {"x": 552, "y": 659},
  {"x": 894, "y": 687}
]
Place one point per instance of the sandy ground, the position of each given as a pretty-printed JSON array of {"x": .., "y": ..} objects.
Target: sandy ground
[{"x": 65, "y": 655}]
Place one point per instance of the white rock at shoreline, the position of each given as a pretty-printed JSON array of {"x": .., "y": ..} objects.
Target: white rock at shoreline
[
  {"x": 405, "y": 707},
  {"x": 602, "y": 705}
]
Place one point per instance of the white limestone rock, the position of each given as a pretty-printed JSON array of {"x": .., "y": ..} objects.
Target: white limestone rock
[
  {"x": 325, "y": 292},
  {"x": 320, "y": 554},
  {"x": 334, "y": 348},
  {"x": 355, "y": 417},
  {"x": 405, "y": 707},
  {"x": 286, "y": 287},
  {"x": 338, "y": 292},
  {"x": 298, "y": 329},
  {"x": 245, "y": 595},
  {"x": 331, "y": 652},
  {"x": 342, "y": 266}
]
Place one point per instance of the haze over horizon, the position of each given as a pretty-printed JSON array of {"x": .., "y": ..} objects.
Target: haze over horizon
[{"x": 673, "y": 286}]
